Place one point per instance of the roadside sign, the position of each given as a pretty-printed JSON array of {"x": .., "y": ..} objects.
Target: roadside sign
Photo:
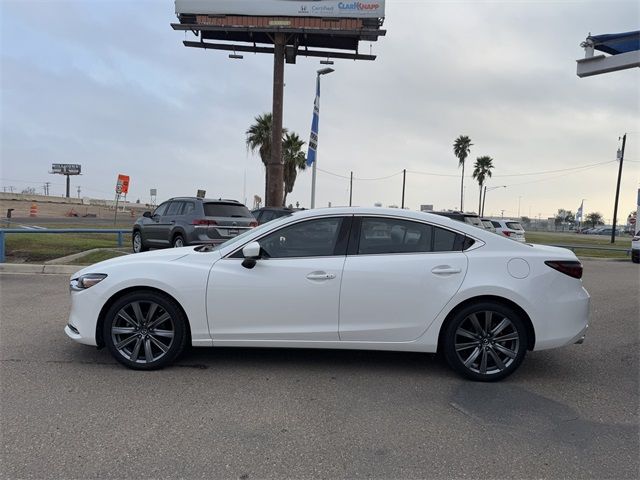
[
  {"x": 122, "y": 185},
  {"x": 201, "y": 193}
]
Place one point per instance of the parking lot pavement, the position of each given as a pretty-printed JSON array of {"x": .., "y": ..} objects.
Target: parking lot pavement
[{"x": 69, "y": 411}]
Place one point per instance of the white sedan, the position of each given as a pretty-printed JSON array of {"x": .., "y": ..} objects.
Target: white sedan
[{"x": 349, "y": 278}]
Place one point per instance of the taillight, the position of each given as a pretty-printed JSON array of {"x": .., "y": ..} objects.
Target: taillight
[
  {"x": 253, "y": 224},
  {"x": 506, "y": 233},
  {"x": 568, "y": 267},
  {"x": 204, "y": 222}
]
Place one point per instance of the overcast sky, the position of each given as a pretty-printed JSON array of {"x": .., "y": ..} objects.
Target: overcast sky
[{"x": 109, "y": 85}]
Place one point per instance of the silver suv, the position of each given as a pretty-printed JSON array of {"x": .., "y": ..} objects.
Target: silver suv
[{"x": 191, "y": 221}]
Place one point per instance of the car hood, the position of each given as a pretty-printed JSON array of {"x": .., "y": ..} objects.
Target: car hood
[{"x": 165, "y": 255}]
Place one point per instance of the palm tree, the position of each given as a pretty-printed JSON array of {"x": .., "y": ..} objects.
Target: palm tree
[
  {"x": 259, "y": 138},
  {"x": 461, "y": 149},
  {"x": 294, "y": 160},
  {"x": 482, "y": 171}
]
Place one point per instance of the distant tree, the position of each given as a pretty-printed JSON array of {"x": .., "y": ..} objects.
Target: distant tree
[
  {"x": 482, "y": 171},
  {"x": 563, "y": 217},
  {"x": 594, "y": 218},
  {"x": 294, "y": 160},
  {"x": 526, "y": 221},
  {"x": 461, "y": 149},
  {"x": 29, "y": 191}
]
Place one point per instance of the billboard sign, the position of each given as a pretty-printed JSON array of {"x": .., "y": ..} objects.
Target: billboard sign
[
  {"x": 66, "y": 168},
  {"x": 286, "y": 8},
  {"x": 122, "y": 185}
]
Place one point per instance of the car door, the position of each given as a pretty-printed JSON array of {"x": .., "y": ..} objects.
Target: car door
[
  {"x": 293, "y": 291},
  {"x": 398, "y": 276},
  {"x": 167, "y": 222},
  {"x": 151, "y": 230}
]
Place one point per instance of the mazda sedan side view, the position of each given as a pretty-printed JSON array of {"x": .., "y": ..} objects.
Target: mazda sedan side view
[{"x": 342, "y": 278}]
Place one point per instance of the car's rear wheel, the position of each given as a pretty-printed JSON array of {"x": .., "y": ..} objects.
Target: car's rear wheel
[
  {"x": 486, "y": 341},
  {"x": 145, "y": 330},
  {"x": 178, "y": 241},
  {"x": 138, "y": 244},
  {"x": 635, "y": 256}
]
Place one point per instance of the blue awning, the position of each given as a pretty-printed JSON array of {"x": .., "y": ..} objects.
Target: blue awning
[{"x": 616, "y": 43}]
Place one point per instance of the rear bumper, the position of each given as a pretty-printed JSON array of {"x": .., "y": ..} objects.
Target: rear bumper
[{"x": 567, "y": 323}]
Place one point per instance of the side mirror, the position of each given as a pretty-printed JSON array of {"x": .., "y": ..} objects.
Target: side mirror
[
  {"x": 147, "y": 214},
  {"x": 251, "y": 254}
]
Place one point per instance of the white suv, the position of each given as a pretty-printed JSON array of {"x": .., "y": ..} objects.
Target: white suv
[
  {"x": 635, "y": 248},
  {"x": 509, "y": 228}
]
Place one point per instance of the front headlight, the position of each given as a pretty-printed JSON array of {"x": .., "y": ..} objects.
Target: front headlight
[{"x": 87, "y": 280}]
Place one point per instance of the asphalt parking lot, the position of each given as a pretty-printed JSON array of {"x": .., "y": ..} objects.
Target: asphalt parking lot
[{"x": 69, "y": 411}]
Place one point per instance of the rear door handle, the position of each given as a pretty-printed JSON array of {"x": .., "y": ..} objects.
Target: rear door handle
[
  {"x": 446, "y": 270},
  {"x": 320, "y": 276}
]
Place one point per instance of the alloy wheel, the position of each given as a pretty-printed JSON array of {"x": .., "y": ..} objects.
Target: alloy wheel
[
  {"x": 137, "y": 243},
  {"x": 143, "y": 332},
  {"x": 178, "y": 242},
  {"x": 487, "y": 342}
]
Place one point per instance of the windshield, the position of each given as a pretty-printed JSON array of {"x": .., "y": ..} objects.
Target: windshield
[
  {"x": 475, "y": 221},
  {"x": 514, "y": 226}
]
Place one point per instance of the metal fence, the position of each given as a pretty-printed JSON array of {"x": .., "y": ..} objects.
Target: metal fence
[{"x": 4, "y": 231}]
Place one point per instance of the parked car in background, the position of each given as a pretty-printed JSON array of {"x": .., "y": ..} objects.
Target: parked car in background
[
  {"x": 488, "y": 225},
  {"x": 509, "y": 228},
  {"x": 635, "y": 248},
  {"x": 191, "y": 221},
  {"x": 266, "y": 214},
  {"x": 470, "y": 218},
  {"x": 340, "y": 278}
]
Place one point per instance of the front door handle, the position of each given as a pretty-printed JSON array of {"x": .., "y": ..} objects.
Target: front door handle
[
  {"x": 445, "y": 270},
  {"x": 320, "y": 276}
]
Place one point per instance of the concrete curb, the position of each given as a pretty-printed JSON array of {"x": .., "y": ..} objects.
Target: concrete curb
[{"x": 39, "y": 269}]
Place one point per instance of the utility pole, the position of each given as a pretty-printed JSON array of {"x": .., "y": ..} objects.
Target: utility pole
[
  {"x": 404, "y": 183},
  {"x": 351, "y": 190},
  {"x": 615, "y": 206},
  {"x": 275, "y": 190},
  {"x": 519, "y": 199},
  {"x": 78, "y": 191}
]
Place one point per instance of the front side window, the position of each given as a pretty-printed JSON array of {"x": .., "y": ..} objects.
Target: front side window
[
  {"x": 312, "y": 238},
  {"x": 390, "y": 235},
  {"x": 161, "y": 209}
]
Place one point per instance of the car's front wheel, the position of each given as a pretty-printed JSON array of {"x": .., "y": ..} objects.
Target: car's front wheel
[
  {"x": 145, "y": 330},
  {"x": 486, "y": 341},
  {"x": 137, "y": 243}
]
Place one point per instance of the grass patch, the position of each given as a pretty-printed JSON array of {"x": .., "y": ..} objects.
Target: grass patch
[
  {"x": 601, "y": 241},
  {"x": 38, "y": 248},
  {"x": 99, "y": 256}
]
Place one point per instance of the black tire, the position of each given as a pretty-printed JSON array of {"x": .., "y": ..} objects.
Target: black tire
[
  {"x": 134, "y": 333},
  {"x": 486, "y": 341},
  {"x": 136, "y": 242},
  {"x": 635, "y": 256},
  {"x": 178, "y": 241}
]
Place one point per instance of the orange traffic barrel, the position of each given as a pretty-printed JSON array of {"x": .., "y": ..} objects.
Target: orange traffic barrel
[{"x": 33, "y": 211}]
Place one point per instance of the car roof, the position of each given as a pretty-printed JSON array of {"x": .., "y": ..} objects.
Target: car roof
[{"x": 206, "y": 200}]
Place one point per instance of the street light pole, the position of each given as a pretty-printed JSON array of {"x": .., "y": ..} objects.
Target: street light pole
[
  {"x": 484, "y": 199},
  {"x": 323, "y": 71}
]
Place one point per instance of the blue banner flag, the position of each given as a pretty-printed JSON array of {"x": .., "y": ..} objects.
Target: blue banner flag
[
  {"x": 313, "y": 141},
  {"x": 579, "y": 213}
]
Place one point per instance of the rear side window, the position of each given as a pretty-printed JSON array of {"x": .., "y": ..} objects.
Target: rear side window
[
  {"x": 514, "y": 226},
  {"x": 226, "y": 210},
  {"x": 188, "y": 209},
  {"x": 174, "y": 208},
  {"x": 496, "y": 224},
  {"x": 388, "y": 235}
]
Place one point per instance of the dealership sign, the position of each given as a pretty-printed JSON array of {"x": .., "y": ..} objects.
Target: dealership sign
[{"x": 287, "y": 8}]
